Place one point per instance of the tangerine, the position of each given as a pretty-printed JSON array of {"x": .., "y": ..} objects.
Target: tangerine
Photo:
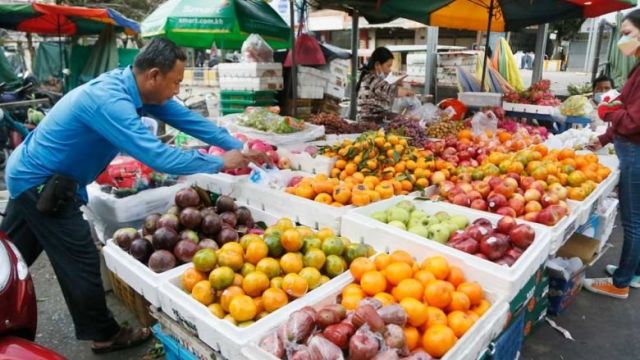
[
  {"x": 216, "y": 310},
  {"x": 312, "y": 276},
  {"x": 436, "y": 316},
  {"x": 481, "y": 308},
  {"x": 424, "y": 276},
  {"x": 373, "y": 282},
  {"x": 294, "y": 285},
  {"x": 255, "y": 283},
  {"x": 242, "y": 308},
  {"x": 402, "y": 256},
  {"x": 412, "y": 337},
  {"x": 228, "y": 294},
  {"x": 385, "y": 298},
  {"x": 382, "y": 261},
  {"x": 291, "y": 263},
  {"x": 438, "y": 266},
  {"x": 360, "y": 266},
  {"x": 256, "y": 251},
  {"x": 460, "y": 322},
  {"x": 273, "y": 299},
  {"x": 291, "y": 240},
  {"x": 437, "y": 340},
  {"x": 438, "y": 294},
  {"x": 473, "y": 290},
  {"x": 416, "y": 311},
  {"x": 456, "y": 276},
  {"x": 315, "y": 258},
  {"x": 231, "y": 258},
  {"x": 459, "y": 302},
  {"x": 276, "y": 282},
  {"x": 222, "y": 277},
  {"x": 408, "y": 288},
  {"x": 398, "y": 271},
  {"x": 269, "y": 266},
  {"x": 191, "y": 277},
  {"x": 202, "y": 292}
]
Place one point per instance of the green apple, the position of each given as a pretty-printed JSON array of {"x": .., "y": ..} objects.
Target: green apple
[
  {"x": 460, "y": 220},
  {"x": 419, "y": 230},
  {"x": 451, "y": 225},
  {"x": 439, "y": 233},
  {"x": 415, "y": 222},
  {"x": 419, "y": 214},
  {"x": 407, "y": 205},
  {"x": 398, "y": 214},
  {"x": 398, "y": 224},
  {"x": 442, "y": 216},
  {"x": 432, "y": 220},
  {"x": 380, "y": 216}
]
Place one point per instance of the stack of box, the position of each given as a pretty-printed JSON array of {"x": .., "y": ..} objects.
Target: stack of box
[
  {"x": 311, "y": 83},
  {"x": 416, "y": 67},
  {"x": 337, "y": 74},
  {"x": 448, "y": 62},
  {"x": 248, "y": 84}
]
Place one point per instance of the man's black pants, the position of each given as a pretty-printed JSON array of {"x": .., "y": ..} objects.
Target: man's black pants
[{"x": 66, "y": 238}]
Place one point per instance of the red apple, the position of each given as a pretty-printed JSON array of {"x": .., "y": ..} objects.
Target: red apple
[
  {"x": 445, "y": 187},
  {"x": 539, "y": 185},
  {"x": 506, "y": 211},
  {"x": 515, "y": 177},
  {"x": 494, "y": 246},
  {"x": 483, "y": 222},
  {"x": 532, "y": 206},
  {"x": 477, "y": 232},
  {"x": 559, "y": 190},
  {"x": 482, "y": 187},
  {"x": 505, "y": 224},
  {"x": 505, "y": 189},
  {"x": 467, "y": 245},
  {"x": 551, "y": 215},
  {"x": 515, "y": 253},
  {"x": 506, "y": 260},
  {"x": 549, "y": 199},
  {"x": 481, "y": 256},
  {"x": 522, "y": 236},
  {"x": 532, "y": 195},
  {"x": 457, "y": 236},
  {"x": 474, "y": 195},
  {"x": 526, "y": 181},
  {"x": 517, "y": 203},
  {"x": 438, "y": 177},
  {"x": 494, "y": 182},
  {"x": 479, "y": 204},
  {"x": 461, "y": 199},
  {"x": 465, "y": 186},
  {"x": 531, "y": 216},
  {"x": 294, "y": 181},
  {"x": 496, "y": 201}
]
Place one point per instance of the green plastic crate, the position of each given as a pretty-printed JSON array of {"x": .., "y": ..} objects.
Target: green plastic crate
[
  {"x": 249, "y": 96},
  {"x": 242, "y": 104}
]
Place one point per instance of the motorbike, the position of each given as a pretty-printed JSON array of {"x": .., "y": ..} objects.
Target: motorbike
[
  {"x": 12, "y": 133},
  {"x": 18, "y": 309}
]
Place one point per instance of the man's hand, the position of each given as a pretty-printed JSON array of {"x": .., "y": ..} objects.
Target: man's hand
[
  {"x": 594, "y": 145},
  {"x": 234, "y": 159},
  {"x": 258, "y": 157}
]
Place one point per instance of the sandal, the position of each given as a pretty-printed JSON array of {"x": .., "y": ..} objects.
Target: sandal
[{"x": 125, "y": 338}]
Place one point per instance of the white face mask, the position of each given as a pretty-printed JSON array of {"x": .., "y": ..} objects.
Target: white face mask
[
  {"x": 597, "y": 97},
  {"x": 628, "y": 45}
]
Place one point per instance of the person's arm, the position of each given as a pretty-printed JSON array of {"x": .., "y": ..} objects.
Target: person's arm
[
  {"x": 607, "y": 137},
  {"x": 194, "y": 124},
  {"x": 120, "y": 124}
]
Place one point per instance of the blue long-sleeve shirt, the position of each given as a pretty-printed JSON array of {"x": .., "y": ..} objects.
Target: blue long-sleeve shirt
[{"x": 88, "y": 127}]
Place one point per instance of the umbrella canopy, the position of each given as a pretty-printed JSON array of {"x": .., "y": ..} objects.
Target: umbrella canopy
[
  {"x": 61, "y": 20},
  {"x": 381, "y": 11},
  {"x": 515, "y": 14},
  {"x": 198, "y": 23}
]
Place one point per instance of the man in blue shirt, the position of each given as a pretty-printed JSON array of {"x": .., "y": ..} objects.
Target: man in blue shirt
[{"x": 73, "y": 144}]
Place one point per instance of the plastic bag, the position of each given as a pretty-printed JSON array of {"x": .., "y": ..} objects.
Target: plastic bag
[
  {"x": 406, "y": 104},
  {"x": 577, "y": 105},
  {"x": 482, "y": 122},
  {"x": 427, "y": 114},
  {"x": 256, "y": 50}
]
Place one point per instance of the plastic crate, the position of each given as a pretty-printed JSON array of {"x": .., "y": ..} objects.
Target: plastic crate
[
  {"x": 249, "y": 96},
  {"x": 172, "y": 349},
  {"x": 590, "y": 204},
  {"x": 506, "y": 281}
]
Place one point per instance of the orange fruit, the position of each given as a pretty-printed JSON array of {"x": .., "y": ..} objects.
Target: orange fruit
[
  {"x": 284, "y": 224},
  {"x": 231, "y": 258},
  {"x": 233, "y": 246},
  {"x": 312, "y": 276},
  {"x": 401, "y": 256},
  {"x": 382, "y": 261},
  {"x": 437, "y": 340},
  {"x": 398, "y": 271},
  {"x": 259, "y": 304},
  {"x": 291, "y": 240},
  {"x": 340, "y": 164},
  {"x": 360, "y": 266},
  {"x": 315, "y": 258},
  {"x": 473, "y": 290},
  {"x": 291, "y": 263},
  {"x": 273, "y": 299},
  {"x": 456, "y": 276},
  {"x": 416, "y": 311},
  {"x": 436, "y": 316},
  {"x": 294, "y": 285},
  {"x": 276, "y": 282},
  {"x": 373, "y": 282},
  {"x": 424, "y": 276},
  {"x": 255, "y": 283},
  {"x": 216, "y": 310},
  {"x": 242, "y": 308},
  {"x": 342, "y": 194},
  {"x": 323, "y": 198},
  {"x": 269, "y": 266},
  {"x": 481, "y": 308},
  {"x": 412, "y": 337},
  {"x": 202, "y": 292},
  {"x": 324, "y": 233},
  {"x": 438, "y": 266},
  {"x": 351, "y": 302},
  {"x": 459, "y": 302},
  {"x": 460, "y": 322},
  {"x": 438, "y": 294},
  {"x": 228, "y": 294},
  {"x": 353, "y": 289},
  {"x": 222, "y": 277},
  {"x": 408, "y": 288},
  {"x": 385, "y": 298},
  {"x": 191, "y": 277},
  {"x": 256, "y": 251},
  {"x": 237, "y": 279}
]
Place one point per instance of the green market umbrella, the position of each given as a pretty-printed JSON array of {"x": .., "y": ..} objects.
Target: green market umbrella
[{"x": 228, "y": 23}]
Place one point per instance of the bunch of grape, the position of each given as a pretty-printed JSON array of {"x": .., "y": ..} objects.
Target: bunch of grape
[
  {"x": 441, "y": 129},
  {"x": 411, "y": 129},
  {"x": 335, "y": 124}
]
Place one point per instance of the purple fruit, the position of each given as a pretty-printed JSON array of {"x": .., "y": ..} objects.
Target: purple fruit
[
  {"x": 208, "y": 244},
  {"x": 169, "y": 221},
  {"x": 150, "y": 224},
  {"x": 124, "y": 237},
  {"x": 161, "y": 261},
  {"x": 227, "y": 235},
  {"x": 211, "y": 225},
  {"x": 141, "y": 250},
  {"x": 229, "y": 218},
  {"x": 225, "y": 203},
  {"x": 208, "y": 211},
  {"x": 243, "y": 216},
  {"x": 189, "y": 235},
  {"x": 164, "y": 239},
  {"x": 187, "y": 197},
  {"x": 184, "y": 250},
  {"x": 190, "y": 218}
]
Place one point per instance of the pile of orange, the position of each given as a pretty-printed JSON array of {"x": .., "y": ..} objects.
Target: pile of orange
[
  {"x": 441, "y": 305},
  {"x": 246, "y": 280}
]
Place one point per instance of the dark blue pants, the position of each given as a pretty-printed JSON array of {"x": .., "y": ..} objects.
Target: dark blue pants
[
  {"x": 66, "y": 238},
  {"x": 629, "y": 196}
]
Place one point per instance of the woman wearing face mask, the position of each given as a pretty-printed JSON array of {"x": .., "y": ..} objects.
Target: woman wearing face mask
[
  {"x": 623, "y": 116},
  {"x": 375, "y": 93}
]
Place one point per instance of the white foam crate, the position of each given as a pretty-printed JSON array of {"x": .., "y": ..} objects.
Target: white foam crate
[
  {"x": 591, "y": 202},
  {"x": 243, "y": 70},
  {"x": 335, "y": 90},
  {"x": 140, "y": 277},
  {"x": 136, "y": 274},
  {"x": 220, "y": 183},
  {"x": 527, "y": 108},
  {"x": 223, "y": 336},
  {"x": 310, "y": 91},
  {"x": 610, "y": 161},
  {"x": 480, "y": 99},
  {"x": 252, "y": 84},
  {"x": 469, "y": 346},
  {"x": 298, "y": 209},
  {"x": 507, "y": 281},
  {"x": 303, "y": 161}
]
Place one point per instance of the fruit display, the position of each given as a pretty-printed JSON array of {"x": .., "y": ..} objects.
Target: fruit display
[
  {"x": 444, "y": 128},
  {"x": 267, "y": 119},
  {"x": 577, "y": 105},
  {"x": 502, "y": 244},
  {"x": 248, "y": 278},
  {"x": 408, "y": 128},
  {"x": 167, "y": 240},
  {"x": 538, "y": 94},
  {"x": 256, "y": 145},
  {"x": 335, "y": 124}
]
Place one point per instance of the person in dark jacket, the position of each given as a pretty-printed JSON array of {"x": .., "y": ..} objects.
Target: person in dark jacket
[{"x": 623, "y": 116}]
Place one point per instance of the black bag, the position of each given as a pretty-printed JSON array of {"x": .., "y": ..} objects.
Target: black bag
[{"x": 57, "y": 191}]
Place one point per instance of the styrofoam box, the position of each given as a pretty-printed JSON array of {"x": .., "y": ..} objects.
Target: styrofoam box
[
  {"x": 416, "y": 58},
  {"x": 220, "y": 183},
  {"x": 416, "y": 70},
  {"x": 300, "y": 210},
  {"x": 335, "y": 90},
  {"x": 221, "y": 335},
  {"x": 141, "y": 278},
  {"x": 310, "y": 92},
  {"x": 340, "y": 67},
  {"x": 311, "y": 80},
  {"x": 480, "y": 99},
  {"x": 302, "y": 161},
  {"x": 591, "y": 202},
  {"x": 252, "y": 84},
  {"x": 506, "y": 281},
  {"x": 312, "y": 72},
  {"x": 242, "y": 70},
  {"x": 527, "y": 108},
  {"x": 469, "y": 346},
  {"x": 335, "y": 79},
  {"x": 607, "y": 215},
  {"x": 457, "y": 58},
  {"x": 610, "y": 161}
]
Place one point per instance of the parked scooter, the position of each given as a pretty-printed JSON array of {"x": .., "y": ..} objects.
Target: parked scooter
[
  {"x": 12, "y": 134},
  {"x": 18, "y": 312}
]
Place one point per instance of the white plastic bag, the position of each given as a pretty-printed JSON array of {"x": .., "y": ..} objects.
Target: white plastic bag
[
  {"x": 256, "y": 50},
  {"x": 406, "y": 104},
  {"x": 482, "y": 122}
]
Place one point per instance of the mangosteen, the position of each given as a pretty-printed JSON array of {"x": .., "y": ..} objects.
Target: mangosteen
[
  {"x": 187, "y": 197},
  {"x": 141, "y": 249},
  {"x": 124, "y": 237},
  {"x": 150, "y": 223},
  {"x": 225, "y": 203},
  {"x": 165, "y": 239},
  {"x": 211, "y": 225},
  {"x": 161, "y": 261},
  {"x": 227, "y": 235},
  {"x": 190, "y": 218}
]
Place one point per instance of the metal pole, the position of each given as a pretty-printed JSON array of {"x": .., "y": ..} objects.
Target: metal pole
[
  {"x": 486, "y": 46},
  {"x": 294, "y": 69},
  {"x": 541, "y": 45},
  {"x": 596, "y": 59},
  {"x": 432, "y": 52},
  {"x": 355, "y": 44}
]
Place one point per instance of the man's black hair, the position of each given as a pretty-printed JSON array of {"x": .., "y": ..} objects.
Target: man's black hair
[
  {"x": 160, "y": 53},
  {"x": 602, "y": 78}
]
